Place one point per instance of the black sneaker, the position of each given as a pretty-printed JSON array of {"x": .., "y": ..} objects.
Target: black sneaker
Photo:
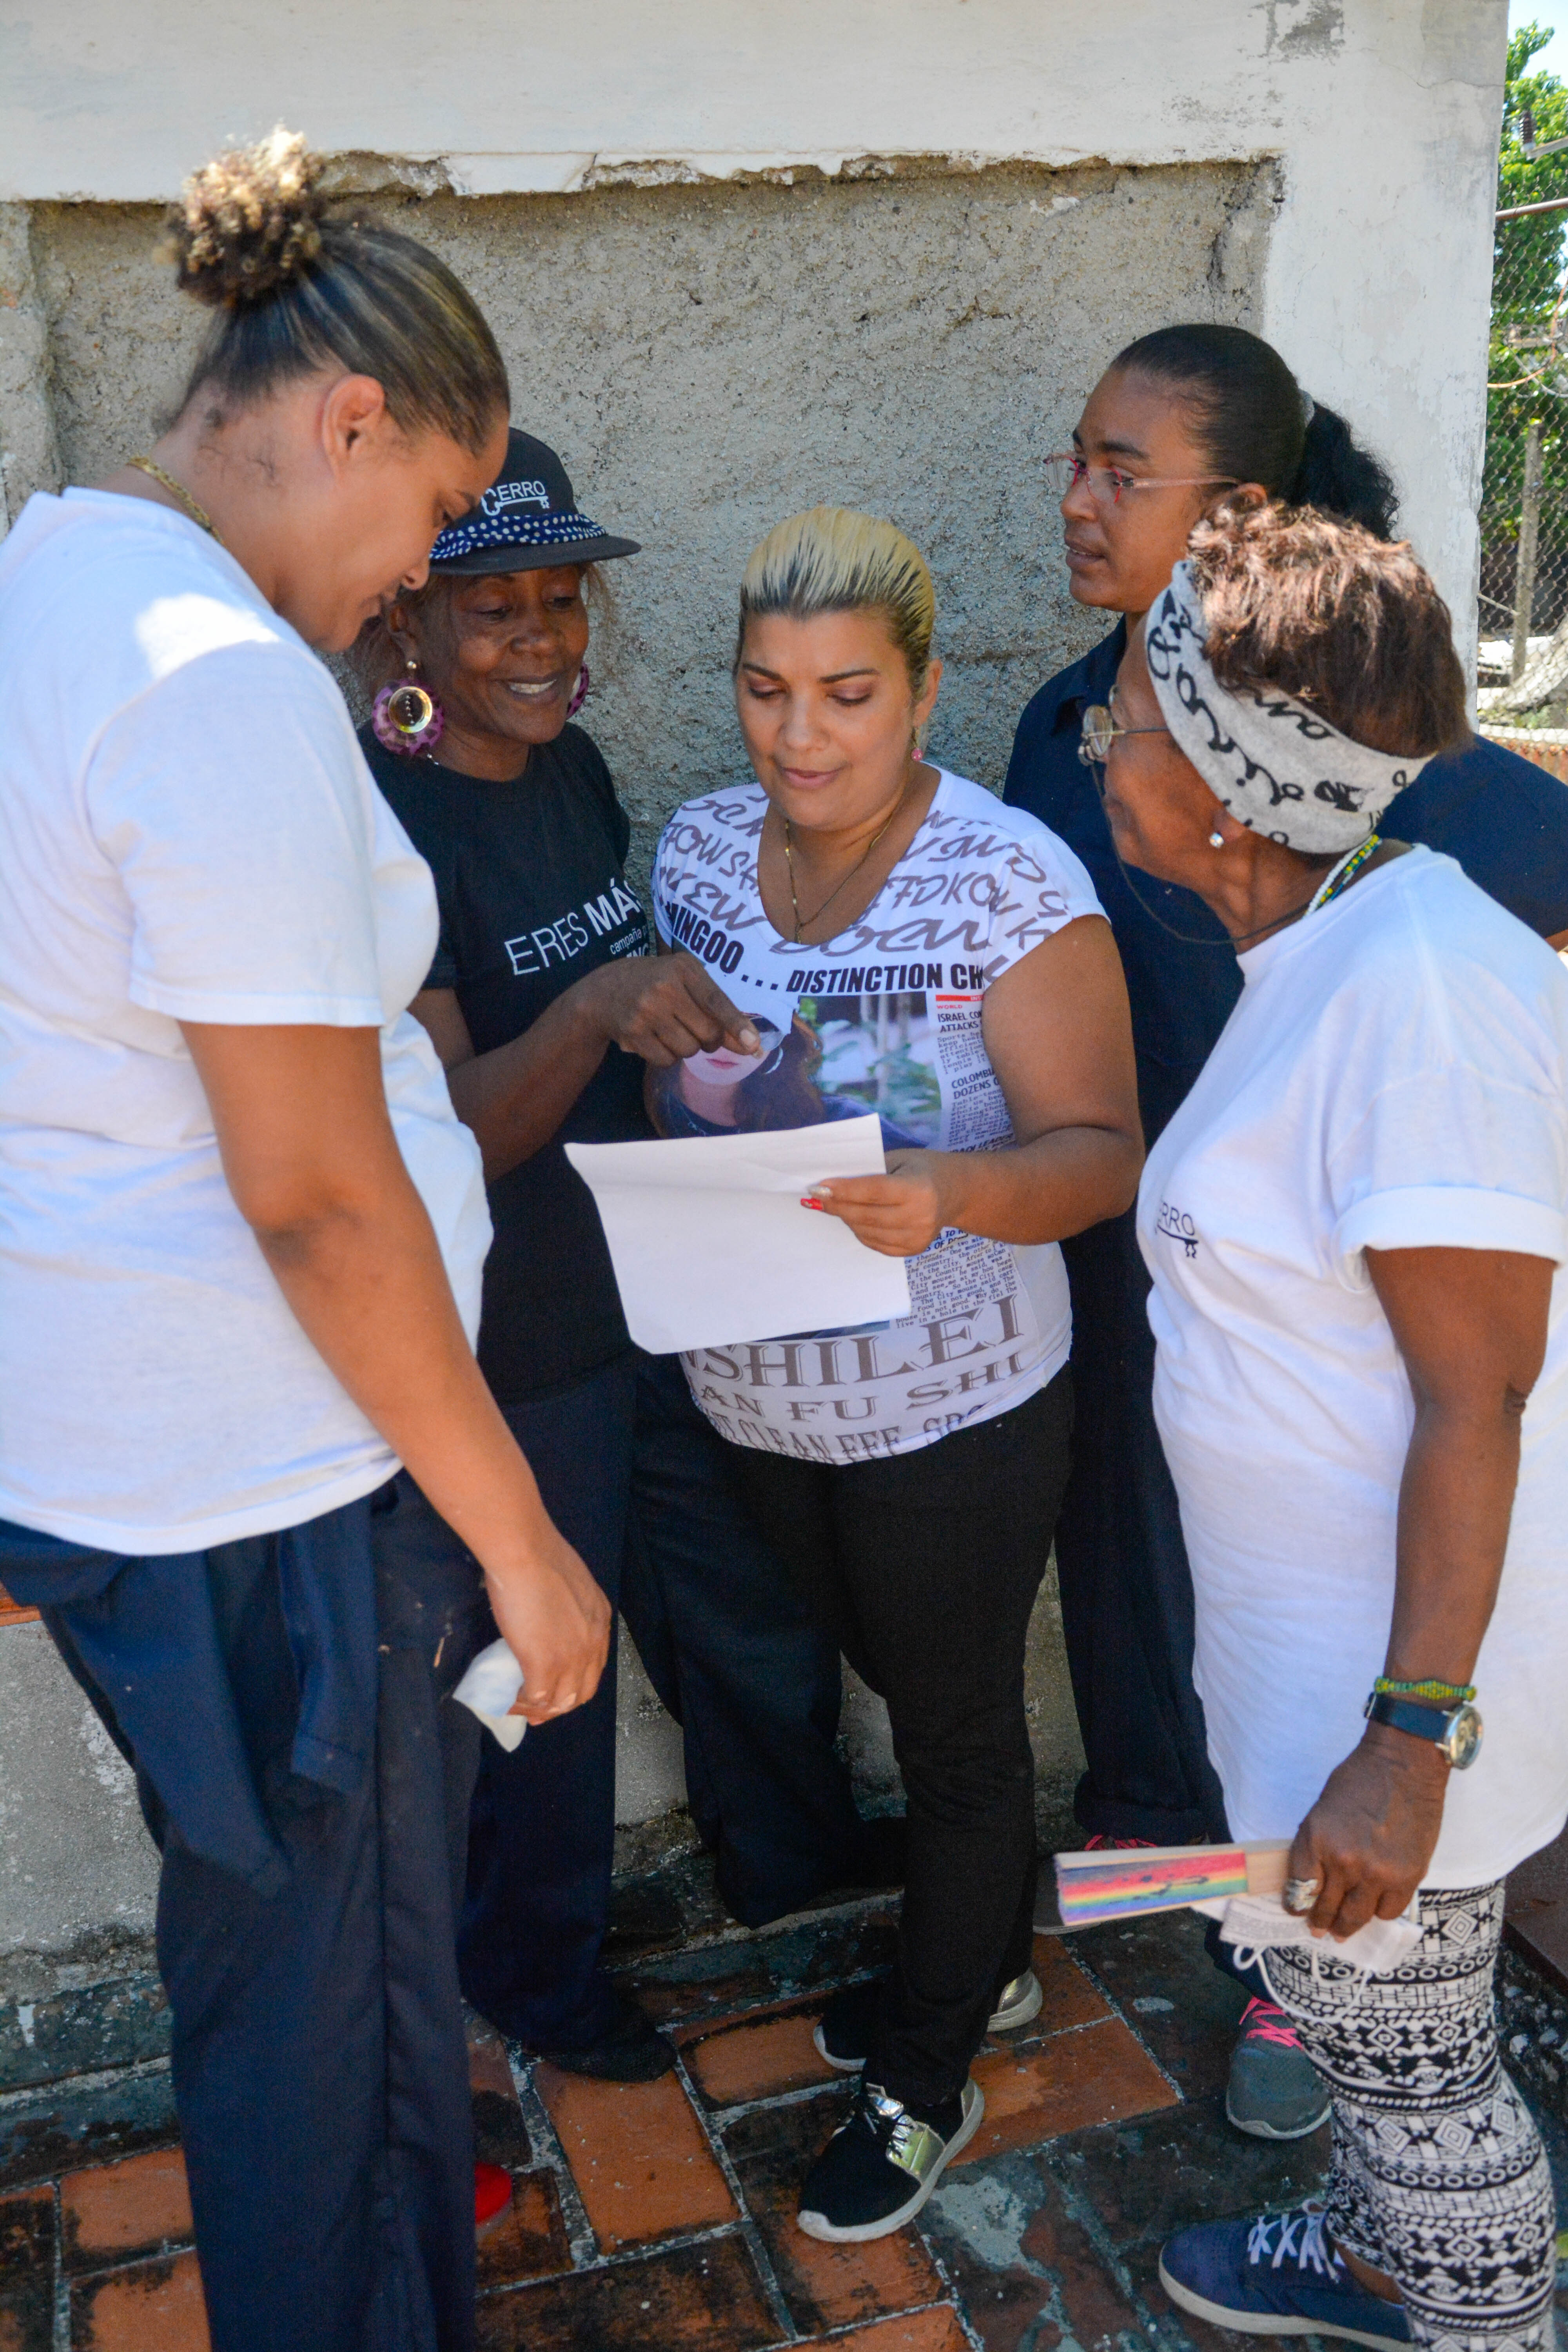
[
  {"x": 844, "y": 2033},
  {"x": 879, "y": 2168},
  {"x": 628, "y": 2050}
]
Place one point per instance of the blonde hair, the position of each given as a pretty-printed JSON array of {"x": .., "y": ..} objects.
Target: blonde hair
[
  {"x": 836, "y": 561},
  {"x": 297, "y": 289}
]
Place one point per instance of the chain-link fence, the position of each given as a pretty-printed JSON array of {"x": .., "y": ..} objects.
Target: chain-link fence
[{"x": 1524, "y": 497}]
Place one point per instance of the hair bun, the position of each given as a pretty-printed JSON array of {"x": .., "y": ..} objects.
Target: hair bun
[{"x": 248, "y": 223}]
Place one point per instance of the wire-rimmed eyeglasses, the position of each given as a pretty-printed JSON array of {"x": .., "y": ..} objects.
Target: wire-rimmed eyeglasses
[
  {"x": 1066, "y": 469},
  {"x": 1100, "y": 732}
]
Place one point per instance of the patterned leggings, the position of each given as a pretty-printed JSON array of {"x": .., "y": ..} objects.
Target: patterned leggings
[{"x": 1438, "y": 2176}]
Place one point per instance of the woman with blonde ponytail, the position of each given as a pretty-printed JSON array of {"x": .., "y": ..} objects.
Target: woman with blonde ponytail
[{"x": 249, "y": 1471}]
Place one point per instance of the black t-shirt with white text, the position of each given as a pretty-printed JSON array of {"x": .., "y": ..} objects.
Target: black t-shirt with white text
[{"x": 532, "y": 896}]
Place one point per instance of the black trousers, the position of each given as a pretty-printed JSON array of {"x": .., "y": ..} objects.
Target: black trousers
[
  {"x": 638, "y": 1479},
  {"x": 925, "y": 1567},
  {"x": 319, "y": 2063},
  {"x": 1126, "y": 1588}
]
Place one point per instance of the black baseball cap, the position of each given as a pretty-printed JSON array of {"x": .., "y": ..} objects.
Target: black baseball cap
[{"x": 527, "y": 520}]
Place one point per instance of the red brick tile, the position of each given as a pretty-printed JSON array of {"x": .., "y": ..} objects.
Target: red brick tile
[
  {"x": 758, "y": 2061},
  {"x": 27, "y": 2270},
  {"x": 530, "y": 2242},
  {"x": 638, "y": 2156},
  {"x": 489, "y": 2068},
  {"x": 151, "y": 2307},
  {"x": 117, "y": 2211},
  {"x": 500, "y": 2135},
  {"x": 709, "y": 1997},
  {"x": 936, "y": 2330},
  {"x": 824, "y": 2286},
  {"x": 704, "y": 2298},
  {"x": 1069, "y": 1998},
  {"x": 1096, "y": 2076}
]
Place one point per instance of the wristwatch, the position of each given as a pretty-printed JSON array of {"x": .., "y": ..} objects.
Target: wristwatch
[{"x": 1454, "y": 1731}]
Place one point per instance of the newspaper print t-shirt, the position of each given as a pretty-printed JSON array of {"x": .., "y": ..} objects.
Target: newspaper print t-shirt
[{"x": 884, "y": 1018}]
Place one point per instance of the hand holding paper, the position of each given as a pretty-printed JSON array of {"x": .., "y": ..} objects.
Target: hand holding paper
[{"x": 711, "y": 1244}]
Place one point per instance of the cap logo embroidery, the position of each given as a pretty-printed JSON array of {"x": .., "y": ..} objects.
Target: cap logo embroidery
[{"x": 514, "y": 493}]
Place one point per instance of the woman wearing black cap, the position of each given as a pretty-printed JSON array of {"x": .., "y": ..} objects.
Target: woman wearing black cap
[
  {"x": 1179, "y": 419},
  {"x": 545, "y": 1007}
]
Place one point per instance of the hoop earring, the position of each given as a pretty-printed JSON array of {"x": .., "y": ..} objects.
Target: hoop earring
[
  {"x": 579, "y": 692},
  {"x": 406, "y": 718}
]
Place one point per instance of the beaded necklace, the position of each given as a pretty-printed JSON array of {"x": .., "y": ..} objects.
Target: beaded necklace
[{"x": 1345, "y": 872}]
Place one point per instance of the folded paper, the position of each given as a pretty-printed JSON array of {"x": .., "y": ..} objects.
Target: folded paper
[{"x": 710, "y": 1244}]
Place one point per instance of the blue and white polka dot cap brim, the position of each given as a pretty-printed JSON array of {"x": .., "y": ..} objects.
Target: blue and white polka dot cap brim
[{"x": 482, "y": 533}]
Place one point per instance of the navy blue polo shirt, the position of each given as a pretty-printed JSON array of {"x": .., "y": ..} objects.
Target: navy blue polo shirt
[{"x": 1503, "y": 819}]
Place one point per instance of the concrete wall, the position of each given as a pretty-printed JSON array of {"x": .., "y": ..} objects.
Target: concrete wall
[
  {"x": 709, "y": 359},
  {"x": 1383, "y": 116}
]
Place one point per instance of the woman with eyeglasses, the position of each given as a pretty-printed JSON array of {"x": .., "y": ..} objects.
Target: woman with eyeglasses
[{"x": 1180, "y": 419}]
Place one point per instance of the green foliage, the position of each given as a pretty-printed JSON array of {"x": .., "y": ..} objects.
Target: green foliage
[{"x": 1528, "y": 361}]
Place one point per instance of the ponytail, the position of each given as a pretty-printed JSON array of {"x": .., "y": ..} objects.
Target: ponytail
[
  {"x": 1255, "y": 424},
  {"x": 1343, "y": 479},
  {"x": 294, "y": 289}
]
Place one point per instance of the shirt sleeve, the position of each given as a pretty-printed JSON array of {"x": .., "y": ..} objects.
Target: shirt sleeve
[
  {"x": 659, "y": 879},
  {"x": 232, "y": 801},
  {"x": 1500, "y": 817},
  {"x": 1459, "y": 1157}
]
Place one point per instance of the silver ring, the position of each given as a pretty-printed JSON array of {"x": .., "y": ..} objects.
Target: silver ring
[{"x": 1298, "y": 1894}]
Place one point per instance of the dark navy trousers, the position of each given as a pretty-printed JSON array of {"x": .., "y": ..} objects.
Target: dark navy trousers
[
  {"x": 1126, "y": 1588},
  {"x": 639, "y": 1481},
  {"x": 318, "y": 2061}
]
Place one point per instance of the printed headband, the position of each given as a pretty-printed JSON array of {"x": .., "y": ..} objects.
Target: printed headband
[{"x": 1273, "y": 763}]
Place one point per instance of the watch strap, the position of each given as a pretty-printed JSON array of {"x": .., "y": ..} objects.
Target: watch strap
[{"x": 1410, "y": 1714}]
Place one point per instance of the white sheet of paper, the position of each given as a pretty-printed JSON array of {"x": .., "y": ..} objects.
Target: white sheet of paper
[{"x": 710, "y": 1243}]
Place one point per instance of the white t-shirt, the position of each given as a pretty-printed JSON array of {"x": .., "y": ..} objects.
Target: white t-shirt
[
  {"x": 187, "y": 831},
  {"x": 1394, "y": 1077},
  {"x": 886, "y": 1017}
]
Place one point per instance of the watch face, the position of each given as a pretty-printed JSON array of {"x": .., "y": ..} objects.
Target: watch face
[{"x": 1463, "y": 1743}]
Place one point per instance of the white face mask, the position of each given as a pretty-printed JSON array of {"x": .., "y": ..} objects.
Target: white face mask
[{"x": 1275, "y": 765}]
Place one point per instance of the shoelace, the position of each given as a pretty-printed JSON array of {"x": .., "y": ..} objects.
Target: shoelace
[
  {"x": 1309, "y": 2249},
  {"x": 1264, "y": 2021},
  {"x": 906, "y": 2141}
]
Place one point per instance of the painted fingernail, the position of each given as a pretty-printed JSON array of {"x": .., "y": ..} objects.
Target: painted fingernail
[{"x": 807, "y": 1203}]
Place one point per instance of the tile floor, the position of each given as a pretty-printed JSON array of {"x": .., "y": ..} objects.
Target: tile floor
[{"x": 662, "y": 2215}]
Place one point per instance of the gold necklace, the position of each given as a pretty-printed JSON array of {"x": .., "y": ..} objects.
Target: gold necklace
[
  {"x": 197, "y": 513},
  {"x": 870, "y": 846}
]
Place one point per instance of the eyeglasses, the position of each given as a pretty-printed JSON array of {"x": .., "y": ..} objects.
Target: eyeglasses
[
  {"x": 1067, "y": 469},
  {"x": 1100, "y": 732}
]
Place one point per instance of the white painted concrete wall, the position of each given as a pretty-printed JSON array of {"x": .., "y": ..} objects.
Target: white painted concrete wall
[{"x": 1384, "y": 113}]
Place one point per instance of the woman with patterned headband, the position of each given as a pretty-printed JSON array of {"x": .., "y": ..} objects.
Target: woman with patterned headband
[
  {"x": 1355, "y": 1225},
  {"x": 1178, "y": 417}
]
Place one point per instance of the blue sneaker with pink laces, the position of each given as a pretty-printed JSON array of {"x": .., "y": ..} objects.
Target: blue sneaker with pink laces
[
  {"x": 1274, "y": 2092},
  {"x": 1277, "y": 2276}
]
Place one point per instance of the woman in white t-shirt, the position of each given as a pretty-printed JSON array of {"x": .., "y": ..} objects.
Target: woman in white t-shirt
[
  {"x": 241, "y": 1236},
  {"x": 1355, "y": 1225},
  {"x": 904, "y": 944}
]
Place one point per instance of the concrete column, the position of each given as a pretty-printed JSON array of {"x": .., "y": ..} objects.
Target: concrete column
[{"x": 29, "y": 453}]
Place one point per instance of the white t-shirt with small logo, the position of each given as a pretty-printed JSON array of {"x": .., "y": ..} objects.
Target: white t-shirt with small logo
[
  {"x": 188, "y": 832},
  {"x": 1394, "y": 1075},
  {"x": 884, "y": 1018}
]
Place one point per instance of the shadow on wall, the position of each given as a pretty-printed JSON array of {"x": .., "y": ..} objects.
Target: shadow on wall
[{"x": 709, "y": 359}]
